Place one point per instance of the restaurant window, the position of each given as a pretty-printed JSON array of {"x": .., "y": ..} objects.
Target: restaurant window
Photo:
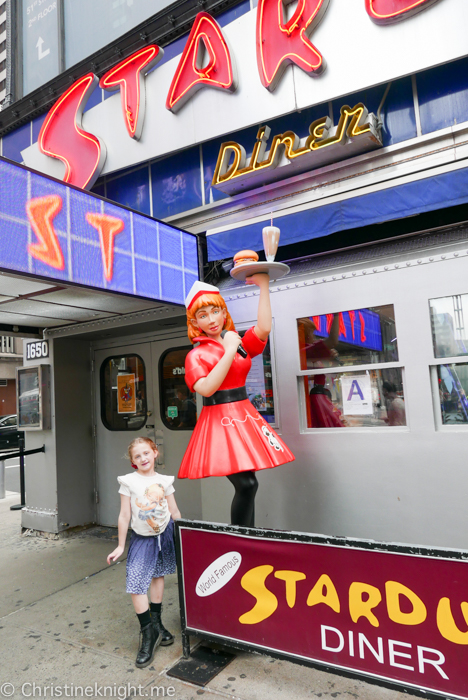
[
  {"x": 351, "y": 376},
  {"x": 123, "y": 392},
  {"x": 450, "y": 339},
  {"x": 178, "y": 403}
]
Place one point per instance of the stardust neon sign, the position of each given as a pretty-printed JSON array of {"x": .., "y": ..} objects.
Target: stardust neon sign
[
  {"x": 283, "y": 38},
  {"x": 357, "y": 130},
  {"x": 53, "y": 231}
]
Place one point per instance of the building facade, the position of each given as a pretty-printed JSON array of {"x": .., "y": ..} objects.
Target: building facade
[{"x": 353, "y": 140}]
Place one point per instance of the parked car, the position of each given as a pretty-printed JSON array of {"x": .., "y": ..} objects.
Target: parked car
[{"x": 9, "y": 422}]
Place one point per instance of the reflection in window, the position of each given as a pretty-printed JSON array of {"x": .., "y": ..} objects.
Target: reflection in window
[
  {"x": 259, "y": 384},
  {"x": 178, "y": 403},
  {"x": 453, "y": 390},
  {"x": 371, "y": 398},
  {"x": 449, "y": 335},
  {"x": 365, "y": 336},
  {"x": 123, "y": 393}
]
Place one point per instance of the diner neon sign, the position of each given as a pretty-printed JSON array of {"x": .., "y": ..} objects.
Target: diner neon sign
[
  {"x": 355, "y": 125},
  {"x": 128, "y": 76},
  {"x": 281, "y": 43},
  {"x": 191, "y": 75},
  {"x": 390, "y": 11},
  {"x": 205, "y": 62}
]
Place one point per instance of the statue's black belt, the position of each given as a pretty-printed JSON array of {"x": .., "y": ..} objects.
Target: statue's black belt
[{"x": 225, "y": 396}]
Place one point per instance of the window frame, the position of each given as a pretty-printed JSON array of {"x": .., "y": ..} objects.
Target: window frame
[
  {"x": 345, "y": 369},
  {"x": 434, "y": 384},
  {"x": 162, "y": 411},
  {"x": 102, "y": 393}
]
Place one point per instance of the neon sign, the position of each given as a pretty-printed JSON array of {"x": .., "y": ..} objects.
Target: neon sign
[
  {"x": 360, "y": 327},
  {"x": 63, "y": 137},
  {"x": 53, "y": 231},
  {"x": 281, "y": 43},
  {"x": 128, "y": 76},
  {"x": 206, "y": 38},
  {"x": 390, "y": 11},
  {"x": 357, "y": 130},
  {"x": 205, "y": 62},
  {"x": 41, "y": 212}
]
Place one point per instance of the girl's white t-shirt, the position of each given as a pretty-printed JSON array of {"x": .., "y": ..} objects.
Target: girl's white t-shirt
[{"x": 150, "y": 512}]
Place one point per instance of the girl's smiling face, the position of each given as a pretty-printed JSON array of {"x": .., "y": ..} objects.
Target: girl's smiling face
[
  {"x": 143, "y": 457},
  {"x": 210, "y": 320}
]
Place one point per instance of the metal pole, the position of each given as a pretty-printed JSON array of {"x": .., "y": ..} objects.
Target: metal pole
[
  {"x": 2, "y": 478},
  {"x": 18, "y": 506}
]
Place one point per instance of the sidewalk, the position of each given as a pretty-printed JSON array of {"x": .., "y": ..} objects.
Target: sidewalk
[{"x": 65, "y": 619}]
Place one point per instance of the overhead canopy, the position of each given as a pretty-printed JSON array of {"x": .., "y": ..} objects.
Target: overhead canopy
[
  {"x": 67, "y": 256},
  {"x": 428, "y": 194}
]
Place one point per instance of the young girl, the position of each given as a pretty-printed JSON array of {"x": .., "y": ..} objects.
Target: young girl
[
  {"x": 230, "y": 438},
  {"x": 148, "y": 499}
]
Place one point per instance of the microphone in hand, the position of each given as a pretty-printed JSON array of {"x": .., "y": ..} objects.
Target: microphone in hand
[{"x": 240, "y": 349}]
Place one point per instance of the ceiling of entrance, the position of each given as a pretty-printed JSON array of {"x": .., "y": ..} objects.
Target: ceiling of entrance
[{"x": 28, "y": 306}]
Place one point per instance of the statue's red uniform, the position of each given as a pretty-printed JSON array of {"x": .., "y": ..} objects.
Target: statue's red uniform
[{"x": 229, "y": 437}]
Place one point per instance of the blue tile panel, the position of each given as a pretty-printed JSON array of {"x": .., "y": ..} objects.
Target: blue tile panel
[
  {"x": 131, "y": 189},
  {"x": 397, "y": 114},
  {"x": 15, "y": 142},
  {"x": 443, "y": 96},
  {"x": 151, "y": 259},
  {"x": 176, "y": 183}
]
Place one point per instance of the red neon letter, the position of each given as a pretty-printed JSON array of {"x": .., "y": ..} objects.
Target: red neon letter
[
  {"x": 40, "y": 213},
  {"x": 389, "y": 11},
  {"x": 363, "y": 327},
  {"x": 280, "y": 43},
  {"x": 352, "y": 316},
  {"x": 108, "y": 227},
  {"x": 205, "y": 38},
  {"x": 129, "y": 77},
  {"x": 62, "y": 136}
]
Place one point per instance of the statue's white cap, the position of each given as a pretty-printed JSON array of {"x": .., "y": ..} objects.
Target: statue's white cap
[{"x": 198, "y": 289}]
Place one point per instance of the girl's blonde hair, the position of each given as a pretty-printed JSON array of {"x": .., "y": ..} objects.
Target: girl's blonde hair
[
  {"x": 136, "y": 441},
  {"x": 207, "y": 300}
]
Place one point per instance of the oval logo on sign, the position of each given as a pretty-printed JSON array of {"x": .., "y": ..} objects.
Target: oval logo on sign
[{"x": 217, "y": 574}]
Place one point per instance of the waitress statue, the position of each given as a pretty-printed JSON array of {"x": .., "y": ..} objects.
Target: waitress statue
[{"x": 230, "y": 438}]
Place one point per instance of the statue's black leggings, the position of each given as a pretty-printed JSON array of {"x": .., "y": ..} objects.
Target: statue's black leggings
[{"x": 243, "y": 503}]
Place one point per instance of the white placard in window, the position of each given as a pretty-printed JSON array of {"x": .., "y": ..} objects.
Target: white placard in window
[{"x": 357, "y": 395}]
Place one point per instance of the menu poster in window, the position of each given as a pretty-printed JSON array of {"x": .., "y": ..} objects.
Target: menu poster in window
[
  {"x": 255, "y": 384},
  {"x": 357, "y": 395},
  {"x": 126, "y": 397}
]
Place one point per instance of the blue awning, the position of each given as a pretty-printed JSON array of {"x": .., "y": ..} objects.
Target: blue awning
[{"x": 428, "y": 194}]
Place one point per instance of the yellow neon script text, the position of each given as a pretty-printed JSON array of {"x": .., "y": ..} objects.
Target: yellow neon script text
[{"x": 352, "y": 123}]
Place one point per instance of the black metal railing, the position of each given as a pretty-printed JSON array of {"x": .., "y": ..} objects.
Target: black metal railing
[{"x": 18, "y": 439}]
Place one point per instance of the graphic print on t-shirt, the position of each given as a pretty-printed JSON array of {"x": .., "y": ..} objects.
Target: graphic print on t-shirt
[{"x": 154, "y": 495}]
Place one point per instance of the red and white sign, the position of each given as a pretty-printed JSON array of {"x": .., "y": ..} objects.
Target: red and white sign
[
  {"x": 386, "y": 615},
  {"x": 261, "y": 67}
]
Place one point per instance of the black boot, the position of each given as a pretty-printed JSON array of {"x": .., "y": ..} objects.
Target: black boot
[
  {"x": 167, "y": 638},
  {"x": 150, "y": 639}
]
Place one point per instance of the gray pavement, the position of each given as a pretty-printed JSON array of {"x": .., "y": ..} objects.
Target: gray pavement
[{"x": 66, "y": 621}]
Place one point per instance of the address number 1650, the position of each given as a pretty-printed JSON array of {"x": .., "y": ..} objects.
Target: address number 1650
[{"x": 37, "y": 350}]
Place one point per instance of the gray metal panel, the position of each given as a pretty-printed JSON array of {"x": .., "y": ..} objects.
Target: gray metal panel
[
  {"x": 112, "y": 303},
  {"x": 17, "y": 286},
  {"x": 19, "y": 319},
  {"x": 41, "y": 309}
]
